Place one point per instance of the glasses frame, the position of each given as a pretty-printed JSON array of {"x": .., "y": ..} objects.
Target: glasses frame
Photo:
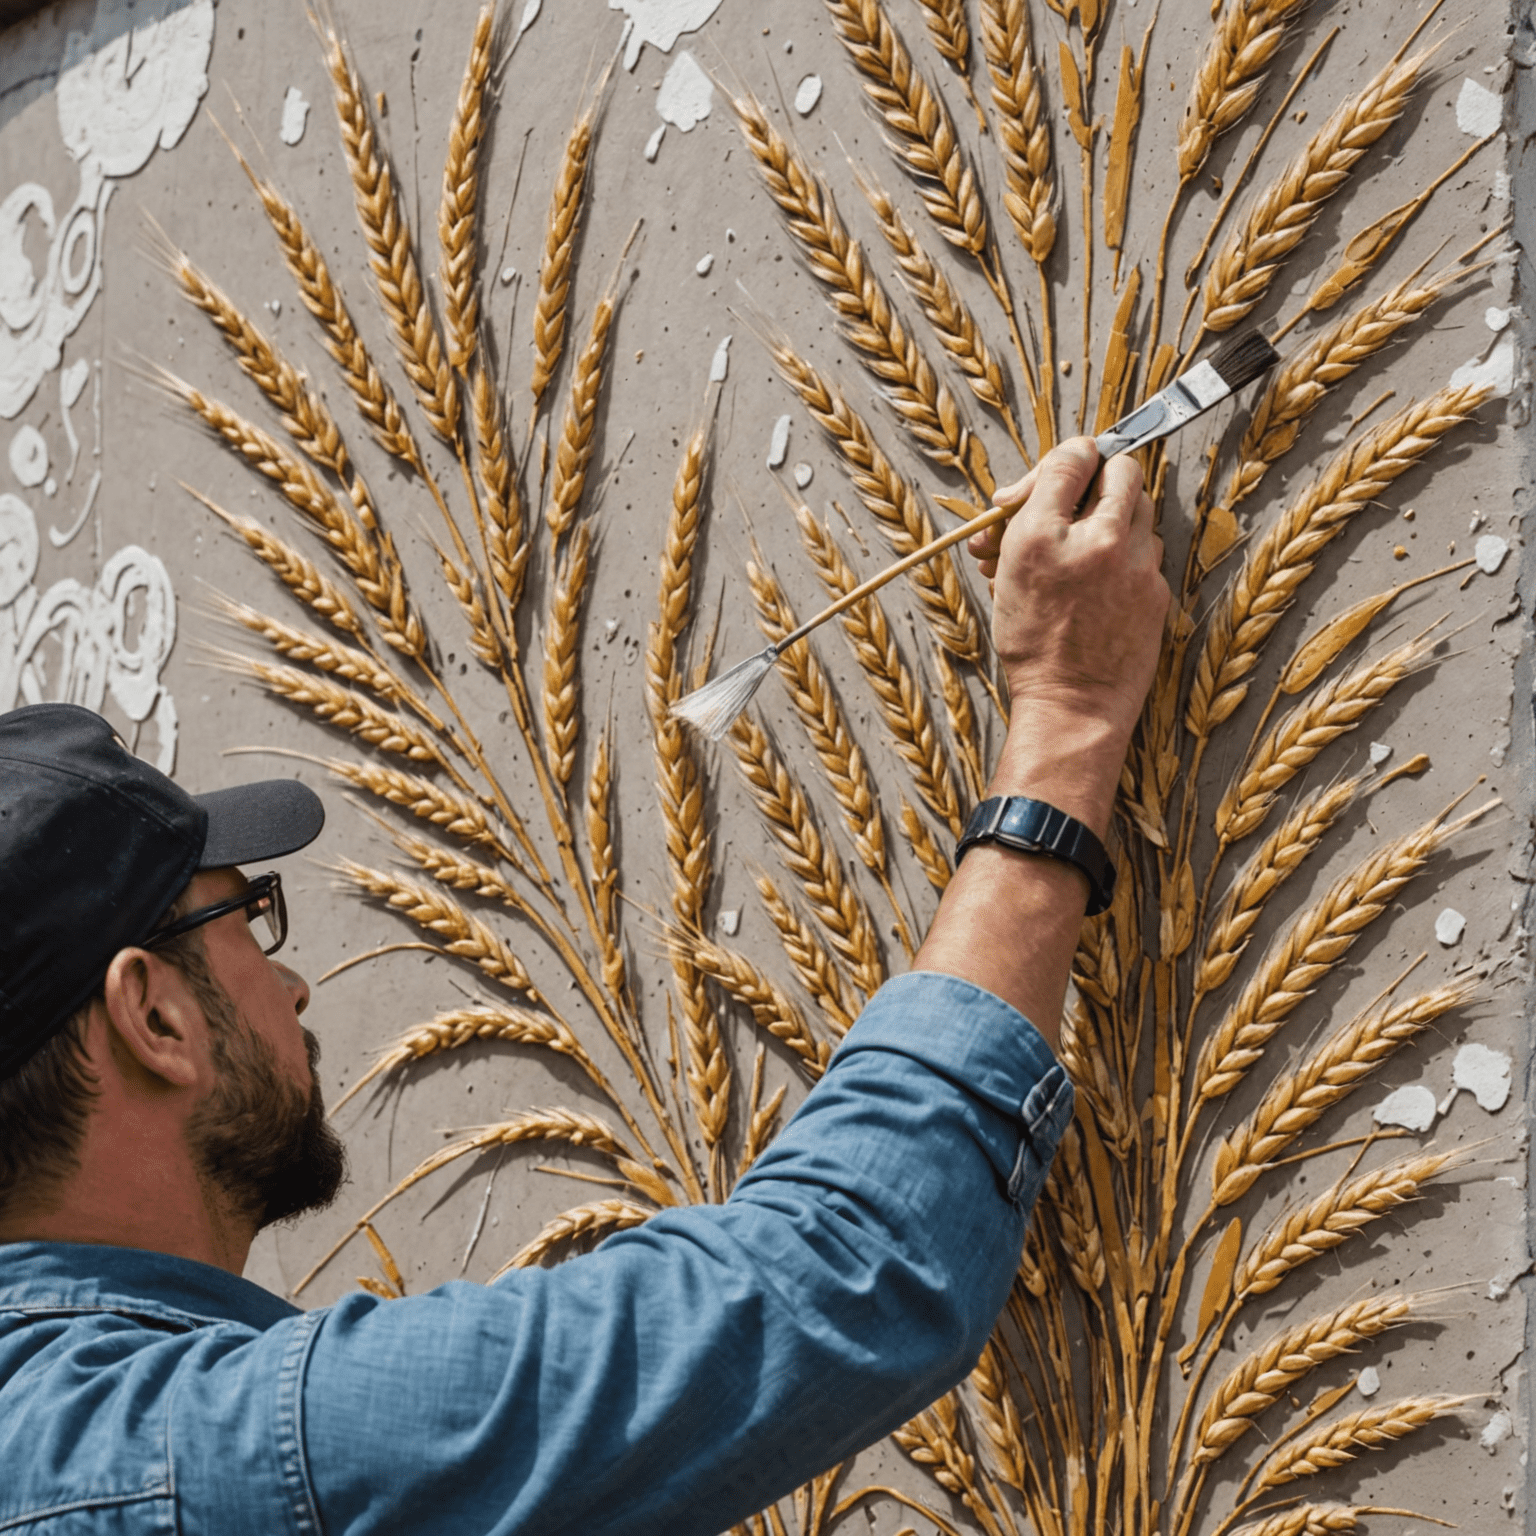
[{"x": 263, "y": 888}]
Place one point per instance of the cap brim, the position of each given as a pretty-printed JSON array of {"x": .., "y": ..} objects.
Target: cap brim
[{"x": 259, "y": 821}]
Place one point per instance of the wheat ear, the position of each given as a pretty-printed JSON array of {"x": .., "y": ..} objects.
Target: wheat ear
[
  {"x": 387, "y": 232},
  {"x": 951, "y": 35},
  {"x": 902, "y": 703},
  {"x": 582, "y": 1223},
  {"x": 446, "y": 808},
  {"x": 867, "y": 320},
  {"x": 1084, "y": 1054},
  {"x": 605, "y": 868},
  {"x": 809, "y": 856},
  {"x": 1284, "y": 556},
  {"x": 345, "y": 662},
  {"x": 1277, "y": 859},
  {"x": 1305, "y": 1520},
  {"x": 817, "y": 971},
  {"x": 771, "y": 1010},
  {"x": 459, "y": 211},
  {"x": 1309, "y": 948},
  {"x": 1319, "y": 1226},
  {"x": 999, "y": 1418},
  {"x": 1251, "y": 254},
  {"x": 505, "y": 525},
  {"x": 924, "y": 847},
  {"x": 566, "y": 201},
  {"x": 1260, "y": 1379},
  {"x": 1297, "y": 738},
  {"x": 374, "y": 399},
  {"x": 562, "y": 703},
  {"x": 1230, "y": 74},
  {"x": 578, "y": 434},
  {"x": 1367, "y": 1429},
  {"x": 1023, "y": 131},
  {"x": 1296, "y": 1100},
  {"x": 923, "y": 133},
  {"x": 1325, "y": 360},
  {"x": 1071, "y": 1209}
]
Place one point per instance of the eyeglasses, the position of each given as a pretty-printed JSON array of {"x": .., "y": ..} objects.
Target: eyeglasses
[{"x": 262, "y": 899}]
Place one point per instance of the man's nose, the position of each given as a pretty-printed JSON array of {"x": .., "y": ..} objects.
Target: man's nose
[{"x": 298, "y": 988}]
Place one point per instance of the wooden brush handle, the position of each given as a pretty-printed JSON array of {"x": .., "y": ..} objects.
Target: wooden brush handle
[{"x": 988, "y": 519}]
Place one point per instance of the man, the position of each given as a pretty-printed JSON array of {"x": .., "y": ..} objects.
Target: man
[{"x": 158, "y": 1106}]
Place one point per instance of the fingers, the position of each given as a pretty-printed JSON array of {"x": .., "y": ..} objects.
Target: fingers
[
  {"x": 1120, "y": 492},
  {"x": 1061, "y": 478}
]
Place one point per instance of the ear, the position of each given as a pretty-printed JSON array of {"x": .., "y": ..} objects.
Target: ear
[{"x": 155, "y": 1019}]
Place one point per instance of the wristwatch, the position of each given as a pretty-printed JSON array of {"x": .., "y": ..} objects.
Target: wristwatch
[{"x": 1032, "y": 826}]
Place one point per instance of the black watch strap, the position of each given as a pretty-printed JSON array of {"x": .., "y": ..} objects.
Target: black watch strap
[{"x": 1032, "y": 826}]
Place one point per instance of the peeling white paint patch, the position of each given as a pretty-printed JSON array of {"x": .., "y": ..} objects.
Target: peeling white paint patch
[
  {"x": 730, "y": 922},
  {"x": 778, "y": 443},
  {"x": 1498, "y": 1289},
  {"x": 1496, "y": 1431},
  {"x": 1497, "y": 370},
  {"x": 1495, "y": 318},
  {"x": 653, "y": 144},
  {"x": 660, "y": 22},
  {"x": 1478, "y": 111},
  {"x": 1450, "y": 926},
  {"x": 721, "y": 361},
  {"x": 803, "y": 473},
  {"x": 295, "y": 116},
  {"x": 1380, "y": 752},
  {"x": 1368, "y": 1382},
  {"x": 530, "y": 15},
  {"x": 686, "y": 93},
  {"x": 807, "y": 95},
  {"x": 1412, "y": 1107},
  {"x": 1501, "y": 186},
  {"x": 29, "y": 456},
  {"x": 1489, "y": 552},
  {"x": 1485, "y": 1074},
  {"x": 705, "y": 263}
]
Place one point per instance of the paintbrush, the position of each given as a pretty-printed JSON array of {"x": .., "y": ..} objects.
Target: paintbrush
[{"x": 713, "y": 708}]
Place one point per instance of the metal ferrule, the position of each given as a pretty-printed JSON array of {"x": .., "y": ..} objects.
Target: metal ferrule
[{"x": 1187, "y": 397}]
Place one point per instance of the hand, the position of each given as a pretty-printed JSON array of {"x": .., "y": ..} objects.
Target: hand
[{"x": 1077, "y": 621}]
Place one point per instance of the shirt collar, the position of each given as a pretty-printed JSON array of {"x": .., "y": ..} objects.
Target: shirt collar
[{"x": 85, "y": 1277}]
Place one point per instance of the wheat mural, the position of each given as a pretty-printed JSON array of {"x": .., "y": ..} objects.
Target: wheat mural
[{"x": 1111, "y": 1399}]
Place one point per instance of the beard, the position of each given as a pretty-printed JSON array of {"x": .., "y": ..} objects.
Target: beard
[{"x": 259, "y": 1138}]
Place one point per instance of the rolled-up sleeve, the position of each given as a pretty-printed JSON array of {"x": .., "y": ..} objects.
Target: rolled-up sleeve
[{"x": 695, "y": 1368}]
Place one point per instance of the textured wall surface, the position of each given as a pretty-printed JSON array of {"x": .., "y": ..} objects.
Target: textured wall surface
[{"x": 113, "y": 159}]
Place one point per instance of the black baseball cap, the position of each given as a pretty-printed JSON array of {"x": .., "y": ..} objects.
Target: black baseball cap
[{"x": 95, "y": 845}]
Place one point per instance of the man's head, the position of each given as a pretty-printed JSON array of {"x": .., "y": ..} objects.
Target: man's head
[{"x": 134, "y": 975}]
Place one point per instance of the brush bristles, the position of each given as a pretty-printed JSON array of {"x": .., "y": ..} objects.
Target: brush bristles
[
  {"x": 1243, "y": 359},
  {"x": 712, "y": 709}
]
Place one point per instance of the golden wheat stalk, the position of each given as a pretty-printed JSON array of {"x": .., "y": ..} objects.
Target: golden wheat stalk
[
  {"x": 1306, "y": 1520},
  {"x": 582, "y": 1223},
  {"x": 951, "y": 35},
  {"x": 923, "y": 132},
  {"x": 1084, "y": 1055},
  {"x": 561, "y": 696},
  {"x": 999, "y": 1418},
  {"x": 1297, "y": 738},
  {"x": 465, "y": 587},
  {"x": 902, "y": 703},
  {"x": 809, "y": 856},
  {"x": 1267, "y": 1373},
  {"x": 1249, "y": 257},
  {"x": 446, "y": 808},
  {"x": 506, "y": 543},
  {"x": 1071, "y": 1211},
  {"x": 935, "y": 865},
  {"x": 374, "y": 399},
  {"x": 817, "y": 971},
  {"x": 605, "y": 868},
  {"x": 771, "y": 1010},
  {"x": 1279, "y": 857},
  {"x": 463, "y": 935},
  {"x": 964, "y": 728},
  {"x": 1368, "y": 1429},
  {"x": 566, "y": 202},
  {"x": 1314, "y": 942},
  {"x": 578, "y": 434},
  {"x": 1285, "y": 555},
  {"x": 1023, "y": 131},
  {"x": 1297, "y": 1100},
  {"x": 387, "y": 232},
  {"x": 331, "y": 656},
  {"x": 1304, "y": 378},
  {"x": 868, "y": 323},
  {"x": 459, "y": 210}
]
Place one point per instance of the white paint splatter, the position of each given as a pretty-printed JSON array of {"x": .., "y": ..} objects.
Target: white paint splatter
[
  {"x": 807, "y": 95},
  {"x": 295, "y": 116},
  {"x": 1412, "y": 1107},
  {"x": 704, "y": 263},
  {"x": 29, "y": 456},
  {"x": 803, "y": 473},
  {"x": 686, "y": 93},
  {"x": 1496, "y": 1431},
  {"x": 721, "y": 361},
  {"x": 530, "y": 15},
  {"x": 1501, "y": 186},
  {"x": 730, "y": 922},
  {"x": 72, "y": 382},
  {"x": 778, "y": 443},
  {"x": 1496, "y": 370},
  {"x": 1478, "y": 111},
  {"x": 1380, "y": 752},
  {"x": 1484, "y": 1073},
  {"x": 1495, "y": 318},
  {"x": 508, "y": 276},
  {"x": 1489, "y": 552},
  {"x": 1368, "y": 1382},
  {"x": 660, "y": 22},
  {"x": 1498, "y": 1288},
  {"x": 653, "y": 144},
  {"x": 1450, "y": 926}
]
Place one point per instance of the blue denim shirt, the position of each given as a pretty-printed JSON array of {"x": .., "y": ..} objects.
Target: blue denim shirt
[{"x": 683, "y": 1375}]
